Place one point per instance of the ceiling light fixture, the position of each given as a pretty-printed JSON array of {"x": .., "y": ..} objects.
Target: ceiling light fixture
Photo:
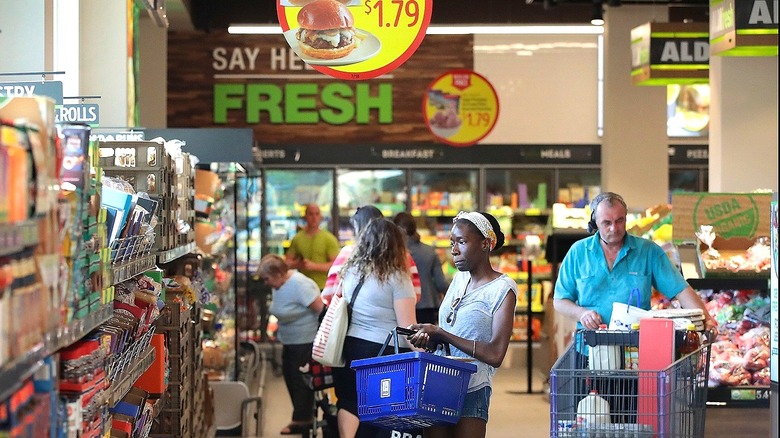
[
  {"x": 253, "y": 29},
  {"x": 597, "y": 19}
]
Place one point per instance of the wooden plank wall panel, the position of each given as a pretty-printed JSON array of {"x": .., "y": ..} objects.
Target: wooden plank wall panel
[{"x": 191, "y": 79}]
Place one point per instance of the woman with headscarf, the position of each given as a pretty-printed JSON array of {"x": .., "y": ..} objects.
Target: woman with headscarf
[{"x": 475, "y": 317}]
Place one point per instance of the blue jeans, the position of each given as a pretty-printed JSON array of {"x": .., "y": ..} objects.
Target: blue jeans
[{"x": 477, "y": 403}]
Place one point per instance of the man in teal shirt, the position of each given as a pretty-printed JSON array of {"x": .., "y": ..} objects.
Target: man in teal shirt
[
  {"x": 604, "y": 268},
  {"x": 312, "y": 250}
]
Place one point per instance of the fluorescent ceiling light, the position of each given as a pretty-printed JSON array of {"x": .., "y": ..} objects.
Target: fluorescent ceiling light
[
  {"x": 514, "y": 30},
  {"x": 252, "y": 29}
]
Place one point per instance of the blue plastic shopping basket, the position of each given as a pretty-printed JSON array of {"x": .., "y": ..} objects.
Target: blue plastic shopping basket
[{"x": 411, "y": 390}]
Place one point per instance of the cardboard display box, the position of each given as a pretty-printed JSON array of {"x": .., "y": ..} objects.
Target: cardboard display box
[
  {"x": 728, "y": 248},
  {"x": 730, "y": 214}
]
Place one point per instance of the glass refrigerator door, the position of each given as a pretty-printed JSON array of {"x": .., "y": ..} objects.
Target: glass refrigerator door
[
  {"x": 436, "y": 196},
  {"x": 287, "y": 192},
  {"x": 577, "y": 187},
  {"x": 519, "y": 199},
  {"x": 383, "y": 188},
  {"x": 248, "y": 205}
]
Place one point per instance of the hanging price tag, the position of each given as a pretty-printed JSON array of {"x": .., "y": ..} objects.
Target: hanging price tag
[
  {"x": 460, "y": 107},
  {"x": 354, "y": 39}
]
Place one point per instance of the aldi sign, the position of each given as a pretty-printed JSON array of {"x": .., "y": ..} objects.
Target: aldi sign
[
  {"x": 670, "y": 53},
  {"x": 744, "y": 27}
]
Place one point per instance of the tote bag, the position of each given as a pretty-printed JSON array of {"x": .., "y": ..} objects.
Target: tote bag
[
  {"x": 329, "y": 340},
  {"x": 623, "y": 315},
  {"x": 328, "y": 344}
]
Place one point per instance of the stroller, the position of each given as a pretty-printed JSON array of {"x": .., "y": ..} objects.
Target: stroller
[{"x": 319, "y": 378}]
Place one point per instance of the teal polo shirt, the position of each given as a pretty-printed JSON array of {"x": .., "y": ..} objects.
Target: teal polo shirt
[{"x": 585, "y": 279}]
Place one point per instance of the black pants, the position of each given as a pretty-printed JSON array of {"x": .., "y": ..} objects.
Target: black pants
[
  {"x": 346, "y": 385},
  {"x": 294, "y": 356}
]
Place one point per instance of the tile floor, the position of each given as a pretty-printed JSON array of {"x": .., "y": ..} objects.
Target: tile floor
[{"x": 516, "y": 413}]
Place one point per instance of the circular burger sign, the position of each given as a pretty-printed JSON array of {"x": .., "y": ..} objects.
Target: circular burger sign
[{"x": 354, "y": 39}]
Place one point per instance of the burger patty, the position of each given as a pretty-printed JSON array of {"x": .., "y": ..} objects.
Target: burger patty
[{"x": 326, "y": 39}]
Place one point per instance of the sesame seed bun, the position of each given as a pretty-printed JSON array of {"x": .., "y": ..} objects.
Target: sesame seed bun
[
  {"x": 325, "y": 14},
  {"x": 326, "y": 30}
]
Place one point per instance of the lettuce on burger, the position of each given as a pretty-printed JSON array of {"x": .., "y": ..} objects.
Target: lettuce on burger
[{"x": 326, "y": 30}]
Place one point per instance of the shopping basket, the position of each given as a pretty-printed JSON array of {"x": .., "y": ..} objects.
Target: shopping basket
[
  {"x": 675, "y": 408},
  {"x": 411, "y": 390}
]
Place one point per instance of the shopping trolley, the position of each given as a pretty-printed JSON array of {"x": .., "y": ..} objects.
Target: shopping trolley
[
  {"x": 319, "y": 379},
  {"x": 668, "y": 403}
]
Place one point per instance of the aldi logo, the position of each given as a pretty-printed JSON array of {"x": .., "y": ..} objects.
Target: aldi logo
[{"x": 384, "y": 388}]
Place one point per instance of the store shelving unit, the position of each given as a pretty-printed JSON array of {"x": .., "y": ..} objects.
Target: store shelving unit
[
  {"x": 15, "y": 372},
  {"x": 17, "y": 236}
]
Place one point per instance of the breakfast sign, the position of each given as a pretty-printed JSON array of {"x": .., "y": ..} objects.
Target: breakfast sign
[{"x": 354, "y": 39}]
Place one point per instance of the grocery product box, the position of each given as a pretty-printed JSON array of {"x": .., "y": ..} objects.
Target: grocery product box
[
  {"x": 730, "y": 214},
  {"x": 734, "y": 259}
]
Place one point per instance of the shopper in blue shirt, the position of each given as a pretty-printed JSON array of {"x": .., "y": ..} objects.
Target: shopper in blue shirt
[
  {"x": 296, "y": 305},
  {"x": 604, "y": 268}
]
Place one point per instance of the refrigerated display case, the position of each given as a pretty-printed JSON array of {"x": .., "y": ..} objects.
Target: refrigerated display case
[
  {"x": 218, "y": 270},
  {"x": 287, "y": 192},
  {"x": 436, "y": 197},
  {"x": 249, "y": 296},
  {"x": 739, "y": 366},
  {"x": 433, "y": 182},
  {"x": 384, "y": 188}
]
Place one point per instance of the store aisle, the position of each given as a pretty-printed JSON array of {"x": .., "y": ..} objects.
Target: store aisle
[
  {"x": 513, "y": 412},
  {"x": 516, "y": 414}
]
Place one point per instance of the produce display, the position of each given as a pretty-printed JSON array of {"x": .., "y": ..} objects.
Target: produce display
[
  {"x": 754, "y": 258},
  {"x": 740, "y": 353}
]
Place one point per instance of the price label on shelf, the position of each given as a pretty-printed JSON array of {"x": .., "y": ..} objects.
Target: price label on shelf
[
  {"x": 460, "y": 107},
  {"x": 375, "y": 36}
]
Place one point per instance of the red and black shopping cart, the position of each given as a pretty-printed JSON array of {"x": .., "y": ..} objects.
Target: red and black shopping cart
[
  {"x": 319, "y": 378},
  {"x": 597, "y": 392}
]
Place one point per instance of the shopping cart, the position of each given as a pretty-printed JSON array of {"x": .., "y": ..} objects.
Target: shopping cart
[
  {"x": 668, "y": 403},
  {"x": 319, "y": 379}
]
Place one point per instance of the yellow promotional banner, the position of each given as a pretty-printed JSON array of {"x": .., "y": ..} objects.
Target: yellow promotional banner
[
  {"x": 460, "y": 107},
  {"x": 354, "y": 39}
]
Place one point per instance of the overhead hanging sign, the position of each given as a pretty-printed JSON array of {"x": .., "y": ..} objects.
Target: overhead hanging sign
[
  {"x": 51, "y": 89},
  {"x": 743, "y": 28},
  {"x": 87, "y": 113},
  {"x": 670, "y": 53},
  {"x": 460, "y": 107},
  {"x": 354, "y": 39}
]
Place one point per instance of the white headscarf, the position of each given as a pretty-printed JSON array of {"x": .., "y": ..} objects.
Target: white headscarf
[{"x": 482, "y": 224}]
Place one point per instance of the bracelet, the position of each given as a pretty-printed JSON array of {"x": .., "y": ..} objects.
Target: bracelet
[{"x": 474, "y": 349}]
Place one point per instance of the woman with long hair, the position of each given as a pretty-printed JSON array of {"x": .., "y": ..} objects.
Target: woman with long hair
[
  {"x": 363, "y": 215},
  {"x": 385, "y": 298}
]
